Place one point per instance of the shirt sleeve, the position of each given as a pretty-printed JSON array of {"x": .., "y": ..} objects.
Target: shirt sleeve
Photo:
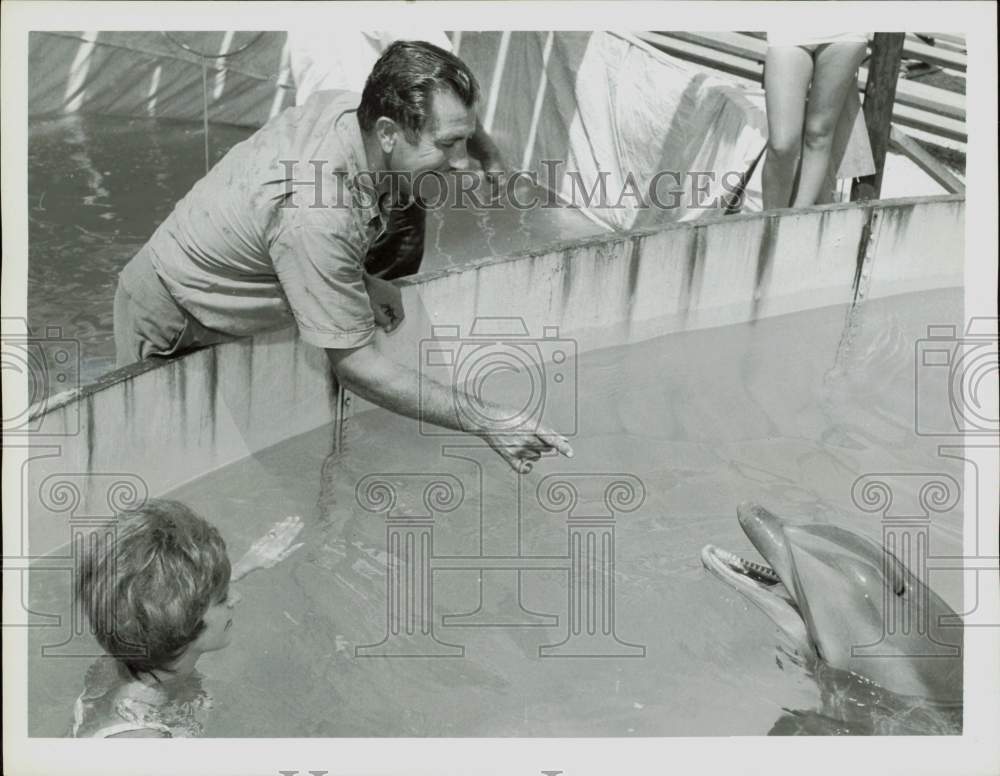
[{"x": 322, "y": 276}]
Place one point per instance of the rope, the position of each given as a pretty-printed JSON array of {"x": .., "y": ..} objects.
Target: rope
[
  {"x": 204, "y": 110},
  {"x": 181, "y": 44},
  {"x": 204, "y": 78}
]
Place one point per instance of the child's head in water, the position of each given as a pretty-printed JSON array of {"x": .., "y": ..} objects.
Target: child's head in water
[{"x": 160, "y": 591}]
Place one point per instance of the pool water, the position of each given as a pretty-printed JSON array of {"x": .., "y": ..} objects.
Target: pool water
[
  {"x": 98, "y": 186},
  {"x": 786, "y": 411}
]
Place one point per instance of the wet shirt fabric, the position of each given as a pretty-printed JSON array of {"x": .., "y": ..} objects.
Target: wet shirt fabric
[
  {"x": 277, "y": 232},
  {"x": 113, "y": 702}
]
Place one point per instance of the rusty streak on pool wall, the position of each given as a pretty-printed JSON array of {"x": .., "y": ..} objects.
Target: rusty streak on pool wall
[
  {"x": 765, "y": 254},
  {"x": 634, "y": 260},
  {"x": 603, "y": 291},
  {"x": 695, "y": 259},
  {"x": 212, "y": 372},
  {"x": 864, "y": 248}
]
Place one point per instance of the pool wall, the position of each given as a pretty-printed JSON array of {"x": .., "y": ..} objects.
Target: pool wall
[{"x": 150, "y": 427}]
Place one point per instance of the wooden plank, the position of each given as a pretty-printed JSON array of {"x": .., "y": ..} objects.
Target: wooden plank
[
  {"x": 711, "y": 58},
  {"x": 954, "y": 39},
  {"x": 935, "y": 55},
  {"x": 929, "y": 122},
  {"x": 748, "y": 71},
  {"x": 948, "y": 51},
  {"x": 742, "y": 56},
  {"x": 754, "y": 45},
  {"x": 911, "y": 149},
  {"x": 734, "y": 44},
  {"x": 880, "y": 97},
  {"x": 929, "y": 138},
  {"x": 929, "y": 98}
]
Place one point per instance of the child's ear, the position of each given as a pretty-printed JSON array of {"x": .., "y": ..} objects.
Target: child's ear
[
  {"x": 386, "y": 130},
  {"x": 199, "y": 640}
]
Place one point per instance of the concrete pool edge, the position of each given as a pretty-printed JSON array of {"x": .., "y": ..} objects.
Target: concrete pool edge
[
  {"x": 151, "y": 427},
  {"x": 640, "y": 232}
]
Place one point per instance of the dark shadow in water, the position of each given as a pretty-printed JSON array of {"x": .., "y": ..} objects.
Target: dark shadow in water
[{"x": 851, "y": 705}]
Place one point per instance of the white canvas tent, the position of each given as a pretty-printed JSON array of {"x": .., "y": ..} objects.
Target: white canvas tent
[{"x": 631, "y": 135}]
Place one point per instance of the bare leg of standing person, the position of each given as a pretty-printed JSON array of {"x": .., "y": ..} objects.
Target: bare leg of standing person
[
  {"x": 834, "y": 75},
  {"x": 787, "y": 72}
]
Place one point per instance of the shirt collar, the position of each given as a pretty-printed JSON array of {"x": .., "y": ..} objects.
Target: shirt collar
[{"x": 366, "y": 191}]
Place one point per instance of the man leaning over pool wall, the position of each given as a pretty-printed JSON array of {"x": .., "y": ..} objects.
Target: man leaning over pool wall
[{"x": 245, "y": 252}]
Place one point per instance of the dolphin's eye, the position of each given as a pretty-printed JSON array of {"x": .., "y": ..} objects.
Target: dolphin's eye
[{"x": 896, "y": 572}]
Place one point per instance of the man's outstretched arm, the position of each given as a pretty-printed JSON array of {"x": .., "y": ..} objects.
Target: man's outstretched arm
[{"x": 402, "y": 390}]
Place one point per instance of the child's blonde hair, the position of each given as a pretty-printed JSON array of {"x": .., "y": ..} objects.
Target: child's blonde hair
[{"x": 146, "y": 590}]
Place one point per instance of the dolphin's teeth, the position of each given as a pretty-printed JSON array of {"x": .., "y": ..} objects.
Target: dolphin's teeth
[
  {"x": 759, "y": 570},
  {"x": 765, "y": 572}
]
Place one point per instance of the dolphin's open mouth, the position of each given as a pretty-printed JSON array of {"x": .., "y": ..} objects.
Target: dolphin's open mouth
[
  {"x": 763, "y": 584},
  {"x": 725, "y": 563},
  {"x": 834, "y": 594}
]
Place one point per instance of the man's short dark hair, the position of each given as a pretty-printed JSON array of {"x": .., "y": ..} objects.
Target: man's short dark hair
[{"x": 402, "y": 84}]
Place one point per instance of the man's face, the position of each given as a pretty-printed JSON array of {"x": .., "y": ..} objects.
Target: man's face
[{"x": 442, "y": 144}]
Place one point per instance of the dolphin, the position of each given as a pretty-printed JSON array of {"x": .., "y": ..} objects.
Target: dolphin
[{"x": 848, "y": 603}]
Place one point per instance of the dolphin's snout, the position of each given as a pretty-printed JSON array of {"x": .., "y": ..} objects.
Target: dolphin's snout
[
  {"x": 757, "y": 521},
  {"x": 766, "y": 532},
  {"x": 747, "y": 511}
]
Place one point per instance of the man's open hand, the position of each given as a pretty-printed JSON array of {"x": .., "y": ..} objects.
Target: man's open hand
[{"x": 520, "y": 449}]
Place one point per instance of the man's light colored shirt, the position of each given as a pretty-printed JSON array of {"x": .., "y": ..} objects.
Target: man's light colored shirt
[{"x": 278, "y": 230}]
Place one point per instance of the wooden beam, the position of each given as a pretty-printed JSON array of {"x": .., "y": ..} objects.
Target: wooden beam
[
  {"x": 910, "y": 148},
  {"x": 734, "y": 46},
  {"x": 955, "y": 40},
  {"x": 929, "y": 98},
  {"x": 729, "y": 42},
  {"x": 931, "y": 123},
  {"x": 918, "y": 106},
  {"x": 880, "y": 96},
  {"x": 732, "y": 64},
  {"x": 914, "y": 48},
  {"x": 755, "y": 43}
]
